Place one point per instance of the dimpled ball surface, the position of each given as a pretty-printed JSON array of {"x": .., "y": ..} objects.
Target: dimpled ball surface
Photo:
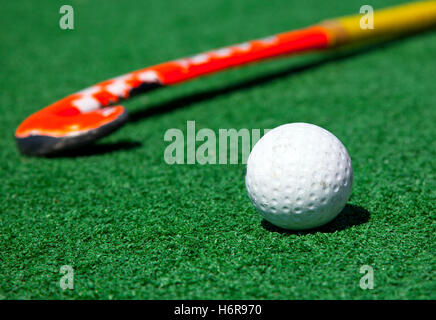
[{"x": 299, "y": 176}]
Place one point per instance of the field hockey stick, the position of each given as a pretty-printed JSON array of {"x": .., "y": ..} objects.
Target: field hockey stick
[{"x": 92, "y": 113}]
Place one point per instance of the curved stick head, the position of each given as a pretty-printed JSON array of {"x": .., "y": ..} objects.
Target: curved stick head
[{"x": 53, "y": 130}]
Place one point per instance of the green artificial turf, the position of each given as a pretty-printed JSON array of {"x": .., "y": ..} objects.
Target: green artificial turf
[{"x": 133, "y": 226}]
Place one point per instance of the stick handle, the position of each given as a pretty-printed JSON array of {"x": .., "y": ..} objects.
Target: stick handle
[{"x": 390, "y": 22}]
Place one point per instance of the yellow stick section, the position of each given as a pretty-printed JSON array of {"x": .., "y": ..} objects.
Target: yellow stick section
[{"x": 394, "y": 21}]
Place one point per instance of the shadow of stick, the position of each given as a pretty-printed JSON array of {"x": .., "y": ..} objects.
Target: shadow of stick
[
  {"x": 96, "y": 149},
  {"x": 323, "y": 59}
]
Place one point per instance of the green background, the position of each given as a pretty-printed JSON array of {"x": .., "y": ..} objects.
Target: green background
[{"x": 134, "y": 227}]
